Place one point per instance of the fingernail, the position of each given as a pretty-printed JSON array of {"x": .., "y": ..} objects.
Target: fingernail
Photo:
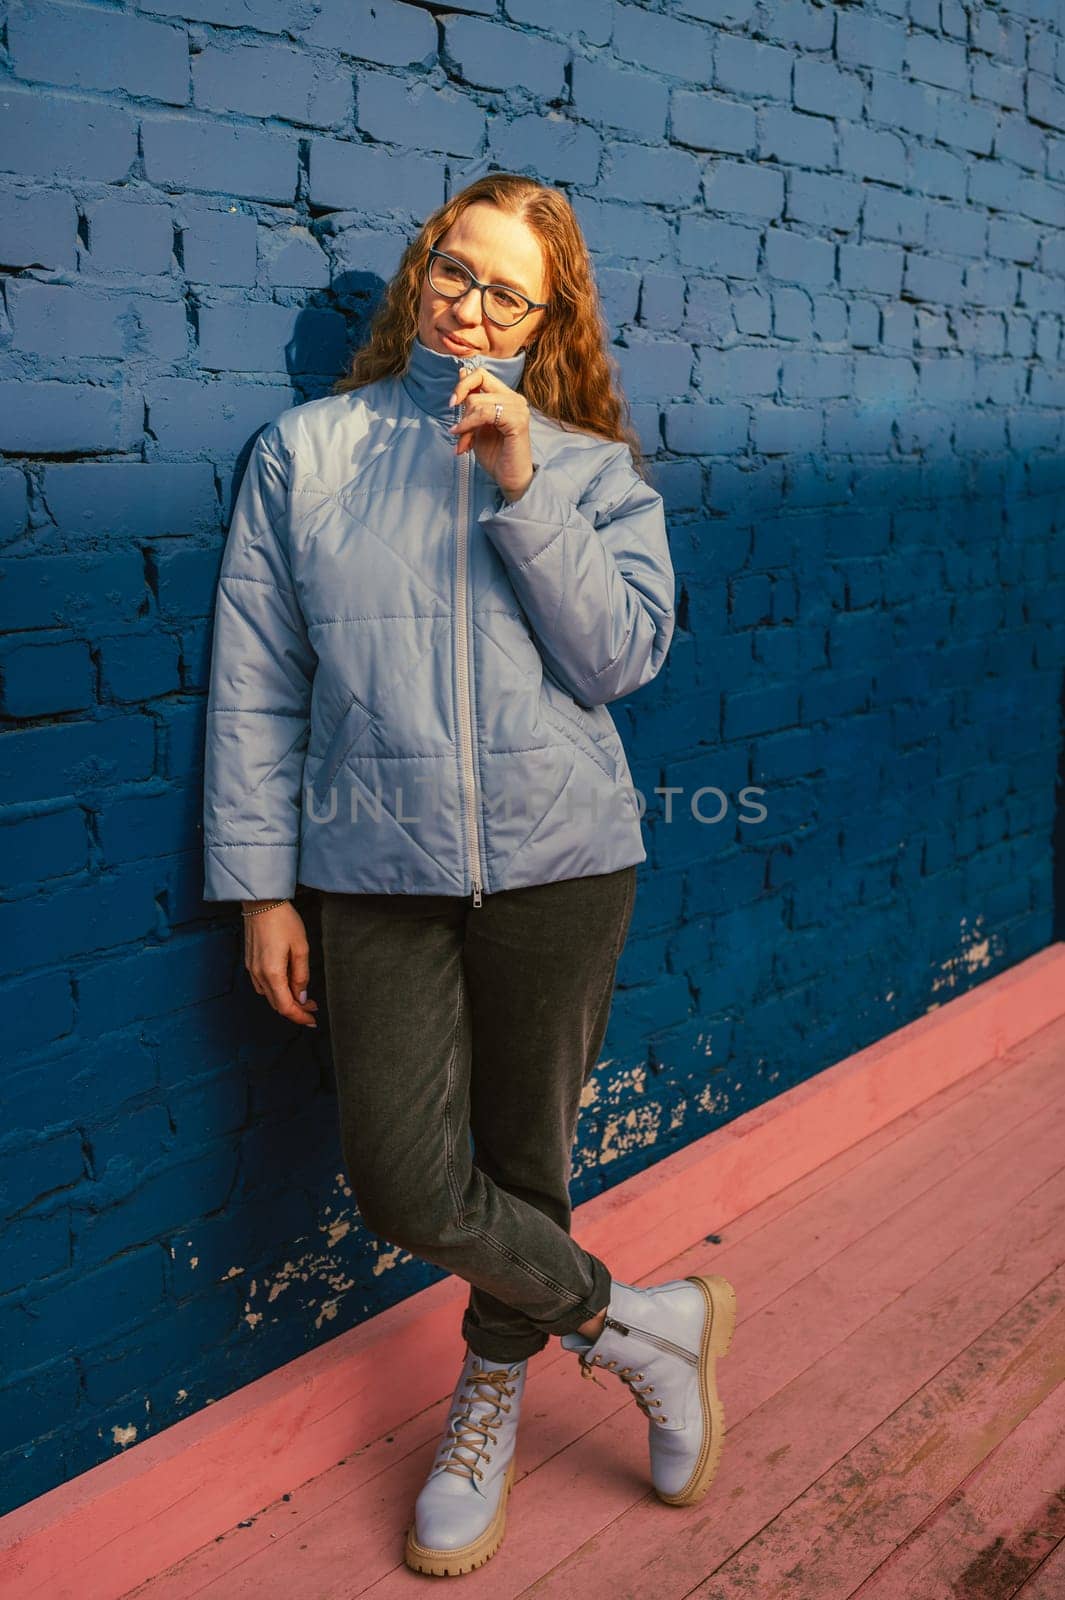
[{"x": 303, "y": 996}]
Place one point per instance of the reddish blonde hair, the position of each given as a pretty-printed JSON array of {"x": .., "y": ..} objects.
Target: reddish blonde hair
[{"x": 569, "y": 373}]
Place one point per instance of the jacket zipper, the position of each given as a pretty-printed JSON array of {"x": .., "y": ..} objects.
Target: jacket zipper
[
  {"x": 653, "y": 1338},
  {"x": 465, "y": 709}
]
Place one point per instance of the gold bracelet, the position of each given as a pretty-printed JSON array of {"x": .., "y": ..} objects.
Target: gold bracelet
[{"x": 259, "y": 909}]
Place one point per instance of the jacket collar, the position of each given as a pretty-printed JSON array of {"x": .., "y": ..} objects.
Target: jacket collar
[{"x": 432, "y": 374}]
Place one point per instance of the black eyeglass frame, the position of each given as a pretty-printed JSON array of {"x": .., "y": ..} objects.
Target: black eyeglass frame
[{"x": 475, "y": 283}]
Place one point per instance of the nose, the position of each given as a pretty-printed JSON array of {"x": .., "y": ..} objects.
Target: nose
[{"x": 461, "y": 305}]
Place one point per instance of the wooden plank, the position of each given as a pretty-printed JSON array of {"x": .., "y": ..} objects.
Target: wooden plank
[
  {"x": 1048, "y": 1583},
  {"x": 852, "y": 1517},
  {"x": 1000, "y": 1523}
]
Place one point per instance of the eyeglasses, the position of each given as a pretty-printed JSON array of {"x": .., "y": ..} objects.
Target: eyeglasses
[{"x": 451, "y": 280}]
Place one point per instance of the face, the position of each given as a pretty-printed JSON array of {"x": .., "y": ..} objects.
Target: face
[{"x": 497, "y": 248}]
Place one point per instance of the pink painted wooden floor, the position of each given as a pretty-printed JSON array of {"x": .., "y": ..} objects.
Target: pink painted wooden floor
[{"x": 893, "y": 1396}]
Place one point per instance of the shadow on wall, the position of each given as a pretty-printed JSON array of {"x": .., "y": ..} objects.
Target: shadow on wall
[{"x": 332, "y": 324}]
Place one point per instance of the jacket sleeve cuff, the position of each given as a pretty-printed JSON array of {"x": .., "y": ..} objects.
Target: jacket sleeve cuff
[{"x": 250, "y": 871}]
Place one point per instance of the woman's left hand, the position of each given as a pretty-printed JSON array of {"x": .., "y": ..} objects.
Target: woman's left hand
[{"x": 504, "y": 451}]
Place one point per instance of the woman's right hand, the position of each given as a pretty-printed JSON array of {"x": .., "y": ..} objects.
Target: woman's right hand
[{"x": 277, "y": 956}]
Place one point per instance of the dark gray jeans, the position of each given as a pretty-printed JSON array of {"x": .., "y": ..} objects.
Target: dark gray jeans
[{"x": 447, "y": 1021}]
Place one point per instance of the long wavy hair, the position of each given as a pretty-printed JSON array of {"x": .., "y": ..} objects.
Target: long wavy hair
[{"x": 569, "y": 373}]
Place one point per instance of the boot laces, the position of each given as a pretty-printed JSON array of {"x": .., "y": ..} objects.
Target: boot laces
[
  {"x": 628, "y": 1375},
  {"x": 465, "y": 1434}
]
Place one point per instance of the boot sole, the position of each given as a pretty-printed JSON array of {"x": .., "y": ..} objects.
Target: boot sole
[
  {"x": 718, "y": 1329},
  {"x": 450, "y": 1563}
]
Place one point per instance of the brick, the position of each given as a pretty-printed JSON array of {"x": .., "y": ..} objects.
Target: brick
[
  {"x": 897, "y": 103},
  {"x": 251, "y": 337},
  {"x": 872, "y": 154},
  {"x": 89, "y": 48},
  {"x": 760, "y": 70},
  {"x": 56, "y": 137},
  {"x": 698, "y": 428},
  {"x": 933, "y": 278},
  {"x": 195, "y": 153},
  {"x": 138, "y": 667},
  {"x": 826, "y": 91},
  {"x": 1003, "y": 86},
  {"x": 130, "y": 237},
  {"x": 127, "y": 501},
  {"x": 1046, "y": 101},
  {"x": 1019, "y": 140},
  {"x": 391, "y": 36},
  {"x": 493, "y": 57},
  {"x": 956, "y": 230},
  {"x": 681, "y": 49},
  {"x": 629, "y": 100},
  {"x": 390, "y": 108},
  {"x": 42, "y": 679},
  {"x": 868, "y": 41},
  {"x": 822, "y": 201},
  {"x": 634, "y": 172},
  {"x": 54, "y": 320},
  {"x": 792, "y": 315},
  {"x": 37, "y": 228},
  {"x": 798, "y": 22},
  {"x": 362, "y": 175},
  {"x": 875, "y": 268},
  {"x": 744, "y": 187},
  {"x": 751, "y": 311},
  {"x": 52, "y": 418},
  {"x": 897, "y": 218},
  {"x": 937, "y": 61},
  {"x": 795, "y": 139},
  {"x": 217, "y": 246},
  {"x": 786, "y": 429},
  {"x": 181, "y": 411},
  {"x": 710, "y": 122},
  {"x": 733, "y": 250},
  {"x": 937, "y": 172},
  {"x": 809, "y": 375},
  {"x": 269, "y": 80},
  {"x": 748, "y": 370},
  {"x": 794, "y": 258}
]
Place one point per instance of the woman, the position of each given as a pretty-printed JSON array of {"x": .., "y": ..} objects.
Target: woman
[{"x": 435, "y": 580}]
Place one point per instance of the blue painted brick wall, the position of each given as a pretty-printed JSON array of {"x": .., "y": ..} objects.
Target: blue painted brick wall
[{"x": 830, "y": 241}]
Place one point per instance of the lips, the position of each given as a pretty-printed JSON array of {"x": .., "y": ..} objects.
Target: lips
[{"x": 460, "y": 342}]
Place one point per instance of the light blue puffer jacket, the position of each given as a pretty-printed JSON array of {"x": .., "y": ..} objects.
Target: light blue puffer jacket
[{"x": 409, "y": 675}]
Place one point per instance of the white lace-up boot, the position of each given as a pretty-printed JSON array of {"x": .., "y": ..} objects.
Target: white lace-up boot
[
  {"x": 460, "y": 1514},
  {"x": 663, "y": 1342}
]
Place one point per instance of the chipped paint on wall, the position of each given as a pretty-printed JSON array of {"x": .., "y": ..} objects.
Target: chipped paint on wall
[
  {"x": 714, "y": 1100},
  {"x": 126, "y": 1435},
  {"x": 388, "y": 1257},
  {"x": 978, "y": 950},
  {"x": 629, "y": 1130}
]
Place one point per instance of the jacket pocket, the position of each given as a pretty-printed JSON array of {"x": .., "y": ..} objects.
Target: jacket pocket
[
  {"x": 352, "y": 725},
  {"x": 581, "y": 738}
]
